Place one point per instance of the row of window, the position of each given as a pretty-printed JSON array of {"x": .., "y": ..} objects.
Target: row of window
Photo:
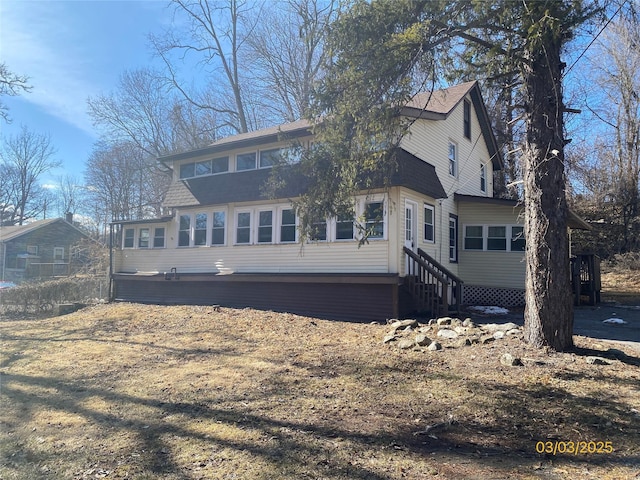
[
  {"x": 256, "y": 226},
  {"x": 243, "y": 161},
  {"x": 58, "y": 252},
  {"x": 509, "y": 238}
]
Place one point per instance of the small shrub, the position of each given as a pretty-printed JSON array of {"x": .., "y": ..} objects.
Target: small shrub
[{"x": 43, "y": 296}]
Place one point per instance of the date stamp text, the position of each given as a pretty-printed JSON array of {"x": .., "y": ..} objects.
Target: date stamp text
[{"x": 557, "y": 447}]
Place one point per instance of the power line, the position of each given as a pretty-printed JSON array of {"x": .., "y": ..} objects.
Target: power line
[{"x": 595, "y": 38}]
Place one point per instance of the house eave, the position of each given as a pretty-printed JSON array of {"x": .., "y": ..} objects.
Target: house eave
[{"x": 573, "y": 220}]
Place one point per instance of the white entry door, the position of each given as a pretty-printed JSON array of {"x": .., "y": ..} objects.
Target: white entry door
[{"x": 410, "y": 227}]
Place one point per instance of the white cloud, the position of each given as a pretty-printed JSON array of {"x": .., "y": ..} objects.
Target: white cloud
[{"x": 40, "y": 40}]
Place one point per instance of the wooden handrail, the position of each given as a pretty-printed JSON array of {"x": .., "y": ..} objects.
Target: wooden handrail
[
  {"x": 444, "y": 279},
  {"x": 439, "y": 266},
  {"x": 441, "y": 278}
]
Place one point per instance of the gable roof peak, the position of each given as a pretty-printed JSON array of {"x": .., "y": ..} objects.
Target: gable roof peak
[{"x": 441, "y": 101}]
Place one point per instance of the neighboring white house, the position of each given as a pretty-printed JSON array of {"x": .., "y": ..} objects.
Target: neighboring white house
[{"x": 437, "y": 224}]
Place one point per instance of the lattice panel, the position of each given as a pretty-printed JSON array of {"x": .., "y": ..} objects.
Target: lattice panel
[{"x": 501, "y": 297}]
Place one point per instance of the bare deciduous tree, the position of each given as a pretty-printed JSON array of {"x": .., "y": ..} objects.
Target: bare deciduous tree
[
  {"x": 12, "y": 85},
  {"x": 144, "y": 111},
  {"x": 611, "y": 174},
  {"x": 216, "y": 33},
  {"x": 25, "y": 157},
  {"x": 118, "y": 180},
  {"x": 287, "y": 49}
]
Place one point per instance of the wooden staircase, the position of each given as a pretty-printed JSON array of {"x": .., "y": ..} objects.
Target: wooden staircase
[{"x": 433, "y": 287}]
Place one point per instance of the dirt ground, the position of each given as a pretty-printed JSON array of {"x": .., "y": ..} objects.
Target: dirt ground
[{"x": 154, "y": 392}]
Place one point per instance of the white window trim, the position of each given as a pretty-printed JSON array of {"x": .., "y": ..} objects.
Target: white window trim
[
  {"x": 455, "y": 258},
  {"x": 56, "y": 249},
  {"x": 385, "y": 216},
  {"x": 225, "y": 229},
  {"x": 149, "y": 237},
  {"x": 483, "y": 177},
  {"x": 207, "y": 230},
  {"x": 274, "y": 225},
  {"x": 152, "y": 238},
  {"x": 485, "y": 236},
  {"x": 124, "y": 236},
  {"x": 255, "y": 165},
  {"x": 424, "y": 222},
  {"x": 455, "y": 159},
  {"x": 278, "y": 233},
  {"x": 236, "y": 212},
  {"x": 191, "y": 226}
]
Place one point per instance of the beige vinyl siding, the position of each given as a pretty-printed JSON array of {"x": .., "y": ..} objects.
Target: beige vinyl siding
[
  {"x": 439, "y": 249},
  {"x": 490, "y": 268},
  {"x": 329, "y": 257},
  {"x": 313, "y": 257},
  {"x": 429, "y": 140}
]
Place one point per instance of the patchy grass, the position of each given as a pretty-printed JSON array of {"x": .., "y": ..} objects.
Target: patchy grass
[{"x": 151, "y": 392}]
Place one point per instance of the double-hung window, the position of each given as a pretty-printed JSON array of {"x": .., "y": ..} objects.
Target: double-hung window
[
  {"x": 184, "y": 231},
  {"x": 129, "y": 234},
  {"x": 473, "y": 237},
  {"x": 288, "y": 226},
  {"x": 158, "y": 237},
  {"x": 344, "y": 227},
  {"x": 517, "y": 238},
  {"x": 218, "y": 228},
  {"x": 497, "y": 238},
  {"x": 429, "y": 223},
  {"x": 200, "y": 231},
  {"x": 58, "y": 254},
  {"x": 318, "y": 231},
  {"x": 453, "y": 159},
  {"x": 483, "y": 177},
  {"x": 143, "y": 238},
  {"x": 374, "y": 219},
  {"x": 265, "y": 226},
  {"x": 243, "y": 228}
]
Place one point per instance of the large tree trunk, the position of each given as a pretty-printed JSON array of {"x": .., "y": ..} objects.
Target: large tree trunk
[{"x": 549, "y": 303}]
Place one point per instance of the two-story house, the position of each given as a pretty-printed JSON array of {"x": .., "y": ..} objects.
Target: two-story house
[{"x": 437, "y": 234}]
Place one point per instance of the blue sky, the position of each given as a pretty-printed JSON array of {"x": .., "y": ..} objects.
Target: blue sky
[{"x": 72, "y": 50}]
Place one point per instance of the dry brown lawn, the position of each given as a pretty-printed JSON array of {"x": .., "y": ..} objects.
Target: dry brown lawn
[{"x": 156, "y": 392}]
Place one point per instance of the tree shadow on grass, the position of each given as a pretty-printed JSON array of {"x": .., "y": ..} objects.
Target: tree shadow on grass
[{"x": 511, "y": 424}]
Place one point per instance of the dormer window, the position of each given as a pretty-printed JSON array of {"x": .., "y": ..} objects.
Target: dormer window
[
  {"x": 467, "y": 119},
  {"x": 268, "y": 158},
  {"x": 205, "y": 167},
  {"x": 246, "y": 161}
]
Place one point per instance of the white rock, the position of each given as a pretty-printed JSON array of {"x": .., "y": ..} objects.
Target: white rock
[{"x": 446, "y": 333}]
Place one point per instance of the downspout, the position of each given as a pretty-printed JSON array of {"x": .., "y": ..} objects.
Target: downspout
[
  {"x": 4, "y": 258},
  {"x": 440, "y": 231}
]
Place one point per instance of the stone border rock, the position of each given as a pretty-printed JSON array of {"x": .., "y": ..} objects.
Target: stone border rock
[{"x": 450, "y": 333}]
